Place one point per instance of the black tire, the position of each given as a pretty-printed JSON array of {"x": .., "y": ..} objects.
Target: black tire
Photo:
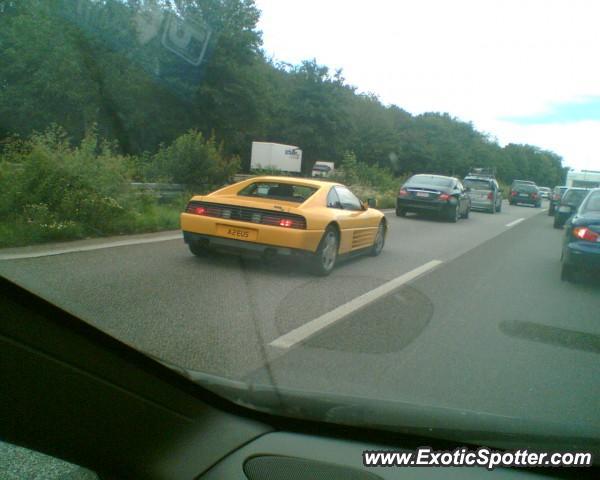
[
  {"x": 454, "y": 214},
  {"x": 567, "y": 273},
  {"x": 379, "y": 240},
  {"x": 557, "y": 223},
  {"x": 511, "y": 203},
  {"x": 400, "y": 212},
  {"x": 323, "y": 260},
  {"x": 198, "y": 250},
  {"x": 493, "y": 210},
  {"x": 467, "y": 212},
  {"x": 499, "y": 207}
]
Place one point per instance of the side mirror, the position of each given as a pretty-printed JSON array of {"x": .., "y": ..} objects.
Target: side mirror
[{"x": 371, "y": 203}]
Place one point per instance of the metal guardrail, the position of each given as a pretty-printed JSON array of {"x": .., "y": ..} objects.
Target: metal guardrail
[{"x": 162, "y": 191}]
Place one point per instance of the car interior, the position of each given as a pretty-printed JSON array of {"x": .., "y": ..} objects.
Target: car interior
[{"x": 76, "y": 393}]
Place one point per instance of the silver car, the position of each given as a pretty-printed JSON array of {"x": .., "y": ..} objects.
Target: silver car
[
  {"x": 545, "y": 192},
  {"x": 484, "y": 192}
]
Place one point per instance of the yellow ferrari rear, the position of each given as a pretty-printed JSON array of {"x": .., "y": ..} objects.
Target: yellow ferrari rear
[
  {"x": 227, "y": 219},
  {"x": 283, "y": 215}
]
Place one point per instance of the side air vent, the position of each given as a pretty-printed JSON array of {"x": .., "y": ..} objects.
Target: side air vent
[{"x": 272, "y": 467}]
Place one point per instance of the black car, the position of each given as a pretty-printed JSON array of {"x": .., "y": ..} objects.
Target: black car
[
  {"x": 569, "y": 204},
  {"x": 514, "y": 184},
  {"x": 525, "y": 193},
  {"x": 581, "y": 245},
  {"x": 555, "y": 198},
  {"x": 444, "y": 196}
]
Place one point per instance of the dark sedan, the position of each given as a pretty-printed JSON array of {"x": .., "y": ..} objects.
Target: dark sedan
[
  {"x": 581, "y": 245},
  {"x": 525, "y": 193},
  {"x": 444, "y": 196},
  {"x": 569, "y": 204}
]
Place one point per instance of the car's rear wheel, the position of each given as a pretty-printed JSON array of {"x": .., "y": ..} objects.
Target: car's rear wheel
[
  {"x": 499, "y": 207},
  {"x": 454, "y": 214},
  {"x": 567, "y": 273},
  {"x": 557, "y": 223},
  {"x": 467, "y": 212},
  {"x": 324, "y": 259},
  {"x": 198, "y": 249},
  {"x": 400, "y": 212},
  {"x": 379, "y": 241}
]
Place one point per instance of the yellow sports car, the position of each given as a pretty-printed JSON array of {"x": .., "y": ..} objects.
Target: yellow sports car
[{"x": 285, "y": 215}]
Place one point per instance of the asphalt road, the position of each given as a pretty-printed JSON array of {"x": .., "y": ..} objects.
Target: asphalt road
[{"x": 491, "y": 328}]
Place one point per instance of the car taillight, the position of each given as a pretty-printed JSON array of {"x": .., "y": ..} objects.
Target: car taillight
[
  {"x": 513, "y": 194},
  {"x": 402, "y": 193},
  {"x": 287, "y": 222},
  {"x": 584, "y": 233},
  {"x": 444, "y": 196},
  {"x": 195, "y": 209},
  {"x": 534, "y": 195},
  {"x": 490, "y": 196}
]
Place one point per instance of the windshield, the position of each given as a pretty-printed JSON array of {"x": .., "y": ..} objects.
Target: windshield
[
  {"x": 220, "y": 185},
  {"x": 592, "y": 203},
  {"x": 524, "y": 187},
  {"x": 278, "y": 191},
  {"x": 574, "y": 197},
  {"x": 429, "y": 181},
  {"x": 477, "y": 184}
]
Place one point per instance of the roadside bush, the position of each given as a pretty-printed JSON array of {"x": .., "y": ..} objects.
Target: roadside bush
[
  {"x": 51, "y": 190},
  {"x": 369, "y": 181},
  {"x": 86, "y": 185},
  {"x": 193, "y": 160}
]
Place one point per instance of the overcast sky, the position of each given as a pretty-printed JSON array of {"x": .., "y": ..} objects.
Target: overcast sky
[{"x": 524, "y": 71}]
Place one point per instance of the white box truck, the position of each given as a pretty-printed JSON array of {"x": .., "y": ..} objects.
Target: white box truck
[
  {"x": 584, "y": 178},
  {"x": 287, "y": 158}
]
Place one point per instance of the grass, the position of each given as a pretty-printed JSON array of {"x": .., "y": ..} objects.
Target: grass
[{"x": 152, "y": 218}]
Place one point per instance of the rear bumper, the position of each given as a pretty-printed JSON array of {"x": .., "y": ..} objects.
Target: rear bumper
[
  {"x": 432, "y": 206},
  {"x": 582, "y": 256},
  {"x": 479, "y": 204},
  {"x": 525, "y": 201},
  {"x": 239, "y": 246},
  {"x": 278, "y": 238}
]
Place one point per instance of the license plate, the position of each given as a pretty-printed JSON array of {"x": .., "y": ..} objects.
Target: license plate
[
  {"x": 523, "y": 195},
  {"x": 236, "y": 232},
  {"x": 422, "y": 194}
]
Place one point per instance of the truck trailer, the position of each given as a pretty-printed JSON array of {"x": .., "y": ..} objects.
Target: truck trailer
[
  {"x": 275, "y": 156},
  {"x": 583, "y": 179}
]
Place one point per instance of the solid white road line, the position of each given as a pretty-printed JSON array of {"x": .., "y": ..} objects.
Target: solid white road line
[
  {"x": 301, "y": 333},
  {"x": 87, "y": 248},
  {"x": 515, "y": 222}
]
